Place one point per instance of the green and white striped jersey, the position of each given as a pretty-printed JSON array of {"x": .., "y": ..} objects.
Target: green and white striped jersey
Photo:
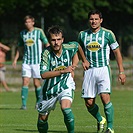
[
  {"x": 32, "y": 43},
  {"x": 50, "y": 62},
  {"x": 96, "y": 46}
]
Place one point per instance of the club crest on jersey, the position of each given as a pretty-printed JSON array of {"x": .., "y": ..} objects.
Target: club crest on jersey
[
  {"x": 93, "y": 46},
  {"x": 44, "y": 67},
  {"x": 29, "y": 42},
  {"x": 59, "y": 68}
]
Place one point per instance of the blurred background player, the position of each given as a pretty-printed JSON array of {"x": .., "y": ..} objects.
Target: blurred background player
[
  {"x": 96, "y": 43},
  {"x": 3, "y": 50},
  {"x": 31, "y": 39}
]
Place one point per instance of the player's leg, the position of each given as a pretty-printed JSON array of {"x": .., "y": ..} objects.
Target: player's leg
[
  {"x": 5, "y": 85},
  {"x": 42, "y": 123},
  {"x": 104, "y": 92},
  {"x": 2, "y": 78},
  {"x": 66, "y": 100},
  {"x": 26, "y": 74},
  {"x": 108, "y": 110},
  {"x": 36, "y": 81},
  {"x": 24, "y": 92},
  {"x": 93, "y": 108},
  {"x": 89, "y": 92},
  {"x": 44, "y": 108}
]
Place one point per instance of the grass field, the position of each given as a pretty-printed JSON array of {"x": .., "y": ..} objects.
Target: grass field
[{"x": 14, "y": 120}]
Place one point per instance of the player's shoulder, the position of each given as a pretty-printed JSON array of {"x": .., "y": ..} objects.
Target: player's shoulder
[
  {"x": 70, "y": 45},
  {"x": 46, "y": 51},
  {"x": 107, "y": 30},
  {"x": 38, "y": 29},
  {"x": 84, "y": 31}
]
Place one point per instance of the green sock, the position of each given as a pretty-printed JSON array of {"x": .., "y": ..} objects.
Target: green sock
[
  {"x": 94, "y": 111},
  {"x": 109, "y": 112},
  {"x": 69, "y": 119},
  {"x": 37, "y": 92},
  {"x": 24, "y": 95},
  {"x": 42, "y": 126}
]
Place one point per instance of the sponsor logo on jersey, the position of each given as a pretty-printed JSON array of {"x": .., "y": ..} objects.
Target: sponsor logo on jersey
[
  {"x": 93, "y": 46},
  {"x": 59, "y": 68},
  {"x": 29, "y": 42}
]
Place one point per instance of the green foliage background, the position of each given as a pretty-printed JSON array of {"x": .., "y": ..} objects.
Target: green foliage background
[{"x": 71, "y": 15}]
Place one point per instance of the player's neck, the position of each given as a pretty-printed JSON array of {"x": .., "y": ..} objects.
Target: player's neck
[
  {"x": 96, "y": 30},
  {"x": 30, "y": 29}
]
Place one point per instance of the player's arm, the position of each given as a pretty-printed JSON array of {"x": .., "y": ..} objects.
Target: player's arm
[
  {"x": 4, "y": 47},
  {"x": 75, "y": 61},
  {"x": 122, "y": 76},
  {"x": 52, "y": 74},
  {"x": 44, "y": 38},
  {"x": 15, "y": 59},
  {"x": 85, "y": 63}
]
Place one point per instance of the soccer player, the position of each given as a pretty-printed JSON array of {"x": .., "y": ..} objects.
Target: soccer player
[
  {"x": 96, "y": 43},
  {"x": 31, "y": 39},
  {"x": 58, "y": 63},
  {"x": 3, "y": 50}
]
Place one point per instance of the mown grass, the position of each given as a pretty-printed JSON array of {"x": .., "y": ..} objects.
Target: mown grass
[{"x": 14, "y": 120}]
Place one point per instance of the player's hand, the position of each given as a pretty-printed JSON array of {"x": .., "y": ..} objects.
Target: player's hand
[
  {"x": 85, "y": 65},
  {"x": 122, "y": 78},
  {"x": 14, "y": 64},
  {"x": 69, "y": 69}
]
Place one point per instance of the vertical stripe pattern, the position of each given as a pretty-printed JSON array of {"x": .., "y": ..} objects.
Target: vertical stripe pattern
[{"x": 32, "y": 42}]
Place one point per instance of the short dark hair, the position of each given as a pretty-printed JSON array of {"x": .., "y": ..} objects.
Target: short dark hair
[
  {"x": 55, "y": 29},
  {"x": 29, "y": 17},
  {"x": 96, "y": 11}
]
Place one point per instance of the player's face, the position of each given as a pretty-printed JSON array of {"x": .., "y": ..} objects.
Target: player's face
[
  {"x": 29, "y": 23},
  {"x": 95, "y": 22},
  {"x": 56, "y": 41}
]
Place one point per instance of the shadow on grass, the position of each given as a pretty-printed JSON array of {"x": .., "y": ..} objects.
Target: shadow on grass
[
  {"x": 9, "y": 108},
  {"x": 50, "y": 131}
]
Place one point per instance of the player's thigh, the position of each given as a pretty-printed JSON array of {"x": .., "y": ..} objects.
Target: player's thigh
[
  {"x": 26, "y": 81},
  {"x": 66, "y": 97},
  {"x": 37, "y": 82}
]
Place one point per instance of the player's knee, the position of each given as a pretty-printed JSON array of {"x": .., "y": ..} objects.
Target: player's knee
[
  {"x": 43, "y": 117},
  {"x": 89, "y": 103}
]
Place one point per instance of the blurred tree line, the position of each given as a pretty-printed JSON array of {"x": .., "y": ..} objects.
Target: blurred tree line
[{"x": 70, "y": 14}]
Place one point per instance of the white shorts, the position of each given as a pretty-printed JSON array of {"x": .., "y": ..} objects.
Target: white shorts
[
  {"x": 31, "y": 70},
  {"x": 45, "y": 106},
  {"x": 96, "y": 81},
  {"x": 2, "y": 73}
]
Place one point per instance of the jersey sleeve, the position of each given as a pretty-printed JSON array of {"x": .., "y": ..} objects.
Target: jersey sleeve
[
  {"x": 74, "y": 46},
  {"x": 80, "y": 38},
  {"x": 20, "y": 40},
  {"x": 112, "y": 40},
  {"x": 44, "y": 65},
  {"x": 43, "y": 37}
]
